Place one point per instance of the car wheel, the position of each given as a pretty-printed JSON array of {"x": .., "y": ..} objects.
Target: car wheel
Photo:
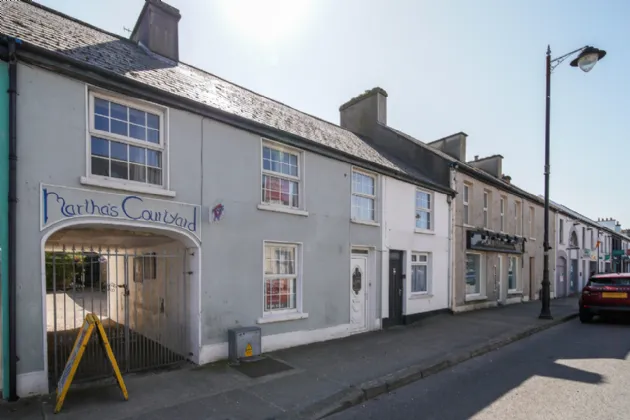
[{"x": 585, "y": 317}]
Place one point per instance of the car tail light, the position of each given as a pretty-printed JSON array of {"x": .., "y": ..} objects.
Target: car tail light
[{"x": 589, "y": 292}]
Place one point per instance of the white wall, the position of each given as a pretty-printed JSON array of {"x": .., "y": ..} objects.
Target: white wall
[{"x": 400, "y": 234}]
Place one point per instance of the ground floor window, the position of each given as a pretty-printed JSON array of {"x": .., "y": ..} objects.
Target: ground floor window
[
  {"x": 280, "y": 277},
  {"x": 419, "y": 273},
  {"x": 513, "y": 274},
  {"x": 473, "y": 274},
  {"x": 145, "y": 267}
]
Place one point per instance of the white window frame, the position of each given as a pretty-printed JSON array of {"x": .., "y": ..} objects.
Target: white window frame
[
  {"x": 466, "y": 204},
  {"x": 486, "y": 208},
  {"x": 482, "y": 280},
  {"x": 284, "y": 314},
  {"x": 502, "y": 211},
  {"x": 375, "y": 219},
  {"x": 427, "y": 264},
  {"x": 429, "y": 210},
  {"x": 532, "y": 218},
  {"x": 300, "y": 209},
  {"x": 518, "y": 220},
  {"x": 517, "y": 276},
  {"x": 162, "y": 146}
]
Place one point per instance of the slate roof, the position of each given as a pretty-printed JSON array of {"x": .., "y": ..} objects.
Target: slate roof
[
  {"x": 471, "y": 169},
  {"x": 46, "y": 28}
]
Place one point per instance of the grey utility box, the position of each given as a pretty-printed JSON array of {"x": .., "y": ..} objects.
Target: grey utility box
[{"x": 244, "y": 344}]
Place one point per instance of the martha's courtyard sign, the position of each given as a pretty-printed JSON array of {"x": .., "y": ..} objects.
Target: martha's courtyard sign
[{"x": 63, "y": 203}]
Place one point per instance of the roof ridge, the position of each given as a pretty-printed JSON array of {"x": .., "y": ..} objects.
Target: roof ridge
[{"x": 127, "y": 40}]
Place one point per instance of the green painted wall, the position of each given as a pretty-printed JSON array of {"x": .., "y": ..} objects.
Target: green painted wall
[{"x": 4, "y": 218}]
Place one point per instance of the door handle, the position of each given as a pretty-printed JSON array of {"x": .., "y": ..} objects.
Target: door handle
[{"x": 399, "y": 292}]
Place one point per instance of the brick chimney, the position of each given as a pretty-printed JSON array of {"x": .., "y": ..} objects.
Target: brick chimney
[
  {"x": 362, "y": 113},
  {"x": 157, "y": 29}
]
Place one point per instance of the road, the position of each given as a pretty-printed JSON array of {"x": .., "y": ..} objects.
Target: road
[{"x": 572, "y": 371}]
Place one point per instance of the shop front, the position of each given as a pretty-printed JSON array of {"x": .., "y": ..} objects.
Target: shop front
[{"x": 494, "y": 266}]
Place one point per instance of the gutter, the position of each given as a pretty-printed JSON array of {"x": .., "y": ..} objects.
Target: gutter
[{"x": 59, "y": 63}]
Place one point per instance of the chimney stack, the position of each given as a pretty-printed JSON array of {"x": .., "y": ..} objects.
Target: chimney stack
[
  {"x": 476, "y": 157},
  {"x": 506, "y": 178},
  {"x": 157, "y": 29},
  {"x": 361, "y": 114}
]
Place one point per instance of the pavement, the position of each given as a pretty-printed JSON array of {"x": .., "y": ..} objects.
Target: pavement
[
  {"x": 324, "y": 377},
  {"x": 574, "y": 371}
]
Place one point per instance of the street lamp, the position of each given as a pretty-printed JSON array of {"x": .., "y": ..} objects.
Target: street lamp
[{"x": 587, "y": 58}]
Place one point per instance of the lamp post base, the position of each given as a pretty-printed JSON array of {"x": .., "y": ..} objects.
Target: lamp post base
[{"x": 545, "y": 315}]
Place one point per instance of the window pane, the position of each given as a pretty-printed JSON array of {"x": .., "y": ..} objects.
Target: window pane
[
  {"x": 280, "y": 294},
  {"x": 154, "y": 176},
  {"x": 137, "y": 117},
  {"x": 100, "y": 166},
  {"x": 278, "y": 161},
  {"x": 137, "y": 173},
  {"x": 100, "y": 147},
  {"x": 419, "y": 278},
  {"x": 119, "y": 150},
  {"x": 465, "y": 193},
  {"x": 137, "y": 154},
  {"x": 362, "y": 184},
  {"x": 101, "y": 123},
  {"x": 101, "y": 107},
  {"x": 118, "y": 111},
  {"x": 362, "y": 208},
  {"x": 137, "y": 132},
  {"x": 512, "y": 274},
  {"x": 153, "y": 121},
  {"x": 423, "y": 200},
  {"x": 466, "y": 214},
  {"x": 279, "y": 191},
  {"x": 120, "y": 169},
  {"x": 153, "y": 136},
  {"x": 279, "y": 260},
  {"x": 473, "y": 274},
  {"x": 423, "y": 220},
  {"x": 154, "y": 158},
  {"x": 119, "y": 127}
]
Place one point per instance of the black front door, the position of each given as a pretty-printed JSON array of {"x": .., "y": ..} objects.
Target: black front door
[{"x": 395, "y": 288}]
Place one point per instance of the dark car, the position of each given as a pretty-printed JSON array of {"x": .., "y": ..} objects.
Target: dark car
[{"x": 605, "y": 293}]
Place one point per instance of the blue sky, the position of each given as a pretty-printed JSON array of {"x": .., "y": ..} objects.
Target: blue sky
[{"x": 448, "y": 66}]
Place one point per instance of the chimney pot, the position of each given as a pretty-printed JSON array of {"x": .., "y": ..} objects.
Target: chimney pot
[{"x": 476, "y": 157}]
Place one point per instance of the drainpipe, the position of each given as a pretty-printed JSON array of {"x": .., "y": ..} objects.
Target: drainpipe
[
  {"x": 451, "y": 213},
  {"x": 8, "y": 283},
  {"x": 4, "y": 221}
]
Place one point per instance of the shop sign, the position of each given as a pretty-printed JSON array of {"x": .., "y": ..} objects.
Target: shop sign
[
  {"x": 587, "y": 253},
  {"x": 492, "y": 242},
  {"x": 64, "y": 203}
]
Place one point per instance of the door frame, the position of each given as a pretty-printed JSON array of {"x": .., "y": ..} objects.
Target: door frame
[
  {"x": 363, "y": 254},
  {"x": 502, "y": 288}
]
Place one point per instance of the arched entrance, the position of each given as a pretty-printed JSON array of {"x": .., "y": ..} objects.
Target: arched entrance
[{"x": 139, "y": 281}]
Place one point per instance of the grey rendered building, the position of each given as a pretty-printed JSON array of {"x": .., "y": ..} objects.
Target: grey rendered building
[{"x": 176, "y": 205}]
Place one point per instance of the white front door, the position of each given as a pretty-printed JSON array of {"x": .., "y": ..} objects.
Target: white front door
[{"x": 358, "y": 287}]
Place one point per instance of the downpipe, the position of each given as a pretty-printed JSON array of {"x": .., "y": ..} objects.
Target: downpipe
[{"x": 11, "y": 393}]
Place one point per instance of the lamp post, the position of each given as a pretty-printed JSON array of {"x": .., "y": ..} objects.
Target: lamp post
[{"x": 587, "y": 58}]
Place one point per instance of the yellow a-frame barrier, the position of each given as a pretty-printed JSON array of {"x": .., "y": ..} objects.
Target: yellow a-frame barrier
[{"x": 91, "y": 322}]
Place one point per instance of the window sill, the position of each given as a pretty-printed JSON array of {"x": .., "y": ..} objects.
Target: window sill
[
  {"x": 424, "y": 231},
  {"x": 466, "y": 225},
  {"x": 471, "y": 298},
  {"x": 415, "y": 296},
  {"x": 122, "y": 186},
  {"x": 365, "y": 222},
  {"x": 532, "y": 239},
  {"x": 287, "y": 210},
  {"x": 293, "y": 316},
  {"x": 515, "y": 292}
]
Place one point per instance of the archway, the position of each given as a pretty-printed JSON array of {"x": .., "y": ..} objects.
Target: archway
[{"x": 140, "y": 281}]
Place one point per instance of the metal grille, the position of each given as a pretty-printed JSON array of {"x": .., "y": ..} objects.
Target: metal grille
[{"x": 141, "y": 297}]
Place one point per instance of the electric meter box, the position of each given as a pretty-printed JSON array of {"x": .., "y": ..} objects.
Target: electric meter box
[{"x": 244, "y": 344}]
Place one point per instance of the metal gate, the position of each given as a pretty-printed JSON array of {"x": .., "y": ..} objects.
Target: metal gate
[{"x": 140, "y": 296}]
